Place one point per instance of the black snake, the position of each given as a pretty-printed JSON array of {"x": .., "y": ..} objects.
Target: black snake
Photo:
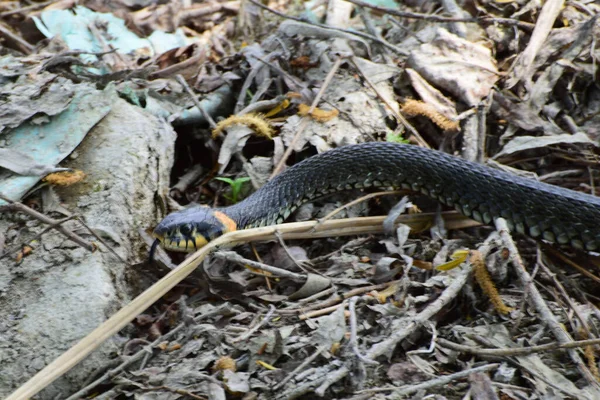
[{"x": 532, "y": 208}]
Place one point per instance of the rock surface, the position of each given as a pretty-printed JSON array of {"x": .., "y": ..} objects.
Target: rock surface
[{"x": 61, "y": 292}]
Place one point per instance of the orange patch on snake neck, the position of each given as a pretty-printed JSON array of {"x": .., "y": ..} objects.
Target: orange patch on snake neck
[{"x": 227, "y": 222}]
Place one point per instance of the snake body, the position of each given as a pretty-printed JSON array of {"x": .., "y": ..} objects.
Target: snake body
[{"x": 532, "y": 208}]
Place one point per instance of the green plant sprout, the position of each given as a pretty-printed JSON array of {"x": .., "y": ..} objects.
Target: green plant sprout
[
  {"x": 395, "y": 138},
  {"x": 236, "y": 187}
]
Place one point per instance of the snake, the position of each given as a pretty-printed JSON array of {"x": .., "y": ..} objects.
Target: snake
[{"x": 542, "y": 211}]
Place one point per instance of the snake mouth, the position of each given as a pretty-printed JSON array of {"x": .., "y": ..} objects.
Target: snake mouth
[{"x": 179, "y": 243}]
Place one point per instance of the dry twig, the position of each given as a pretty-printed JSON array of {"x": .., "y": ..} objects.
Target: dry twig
[
  {"x": 443, "y": 380},
  {"x": 540, "y": 305},
  {"x": 236, "y": 258},
  {"x": 399, "y": 117},
  {"x": 305, "y": 120},
  {"x": 375, "y": 39},
  {"x": 262, "y": 323},
  {"x": 56, "y": 224},
  {"x": 518, "y": 351}
]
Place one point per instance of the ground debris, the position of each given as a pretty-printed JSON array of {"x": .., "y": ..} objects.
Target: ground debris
[{"x": 254, "y": 87}]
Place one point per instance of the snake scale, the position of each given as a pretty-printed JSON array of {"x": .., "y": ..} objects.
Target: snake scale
[{"x": 532, "y": 208}]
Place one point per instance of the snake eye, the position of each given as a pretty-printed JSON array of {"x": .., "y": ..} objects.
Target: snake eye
[{"x": 185, "y": 230}]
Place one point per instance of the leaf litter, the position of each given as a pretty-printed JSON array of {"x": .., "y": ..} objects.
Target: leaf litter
[{"x": 522, "y": 72}]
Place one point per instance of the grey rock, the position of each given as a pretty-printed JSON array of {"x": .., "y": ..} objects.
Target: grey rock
[{"x": 61, "y": 292}]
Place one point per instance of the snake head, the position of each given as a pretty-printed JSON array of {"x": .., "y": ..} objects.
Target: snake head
[{"x": 192, "y": 228}]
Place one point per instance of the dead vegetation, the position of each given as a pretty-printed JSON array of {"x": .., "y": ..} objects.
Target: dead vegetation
[{"x": 253, "y": 87}]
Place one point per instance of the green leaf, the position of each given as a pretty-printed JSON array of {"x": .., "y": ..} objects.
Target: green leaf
[
  {"x": 396, "y": 138},
  {"x": 226, "y": 180},
  {"x": 235, "y": 185}
]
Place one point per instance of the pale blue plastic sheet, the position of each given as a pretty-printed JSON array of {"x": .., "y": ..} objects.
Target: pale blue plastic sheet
[
  {"x": 73, "y": 26},
  {"x": 52, "y": 142}
]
